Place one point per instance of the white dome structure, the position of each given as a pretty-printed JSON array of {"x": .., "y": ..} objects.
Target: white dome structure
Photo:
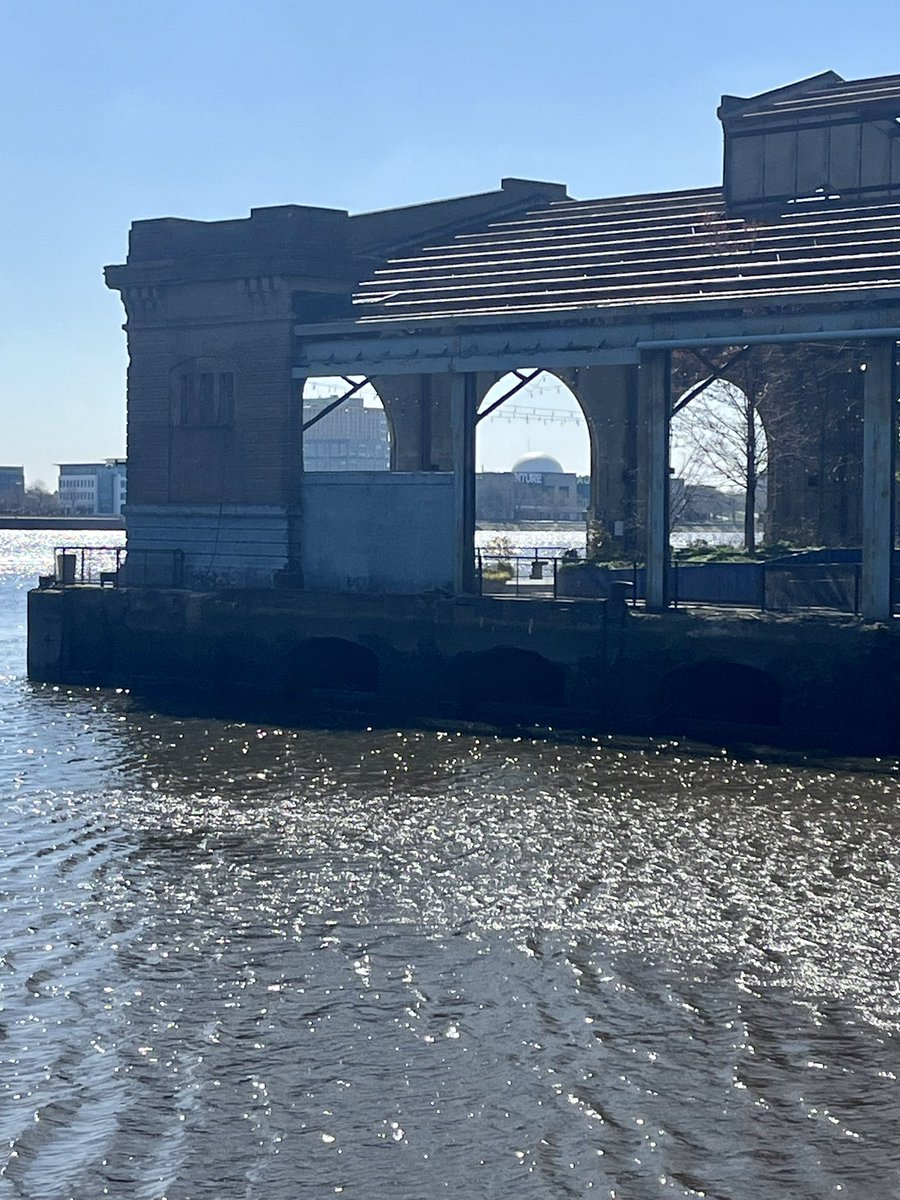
[{"x": 537, "y": 463}]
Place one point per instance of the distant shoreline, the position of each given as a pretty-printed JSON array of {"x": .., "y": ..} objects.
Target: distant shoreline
[{"x": 7, "y": 522}]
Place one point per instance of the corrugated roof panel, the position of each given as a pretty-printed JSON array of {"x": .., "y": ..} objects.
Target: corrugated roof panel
[{"x": 646, "y": 250}]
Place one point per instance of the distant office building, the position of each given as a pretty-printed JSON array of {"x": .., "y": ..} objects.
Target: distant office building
[
  {"x": 536, "y": 489},
  {"x": 91, "y": 489},
  {"x": 12, "y": 488},
  {"x": 352, "y": 438}
]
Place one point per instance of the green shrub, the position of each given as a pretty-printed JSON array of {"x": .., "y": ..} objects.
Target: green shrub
[{"x": 494, "y": 565}]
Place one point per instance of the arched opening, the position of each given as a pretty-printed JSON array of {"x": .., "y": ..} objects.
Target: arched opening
[
  {"x": 533, "y": 465},
  {"x": 345, "y": 426},
  {"x": 333, "y": 664},
  {"x": 507, "y": 675},
  {"x": 720, "y": 463},
  {"x": 775, "y": 431},
  {"x": 720, "y": 692}
]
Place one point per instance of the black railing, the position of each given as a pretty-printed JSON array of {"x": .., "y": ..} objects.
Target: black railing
[
  {"x": 809, "y": 586},
  {"x": 517, "y": 574},
  {"x": 779, "y": 585},
  {"x": 115, "y": 566}
]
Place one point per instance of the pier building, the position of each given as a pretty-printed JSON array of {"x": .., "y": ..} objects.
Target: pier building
[{"x": 784, "y": 280}]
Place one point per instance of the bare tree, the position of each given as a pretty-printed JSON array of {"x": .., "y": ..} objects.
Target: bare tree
[
  {"x": 810, "y": 399},
  {"x": 722, "y": 440},
  {"x": 690, "y": 477}
]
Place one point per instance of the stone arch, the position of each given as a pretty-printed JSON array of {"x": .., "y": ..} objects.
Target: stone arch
[
  {"x": 607, "y": 396},
  {"x": 720, "y": 691},
  {"x": 719, "y": 444},
  {"x": 809, "y": 399},
  {"x": 419, "y": 411},
  {"x": 355, "y": 436},
  {"x": 509, "y": 675},
  {"x": 507, "y": 494},
  {"x": 815, "y": 411},
  {"x": 332, "y": 664}
]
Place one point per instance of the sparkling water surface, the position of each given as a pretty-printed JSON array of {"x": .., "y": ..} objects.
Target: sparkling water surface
[{"x": 262, "y": 962}]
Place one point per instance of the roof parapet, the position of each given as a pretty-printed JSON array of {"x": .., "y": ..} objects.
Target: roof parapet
[{"x": 822, "y": 137}]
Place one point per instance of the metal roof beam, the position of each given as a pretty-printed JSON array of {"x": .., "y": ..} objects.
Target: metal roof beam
[
  {"x": 329, "y": 408},
  {"x": 427, "y": 351}
]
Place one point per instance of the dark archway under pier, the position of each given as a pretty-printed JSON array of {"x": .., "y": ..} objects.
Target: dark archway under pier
[
  {"x": 330, "y": 664},
  {"x": 720, "y": 692},
  {"x": 508, "y": 675}
]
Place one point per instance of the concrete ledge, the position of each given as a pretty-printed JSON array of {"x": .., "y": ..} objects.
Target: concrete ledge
[
  {"x": 62, "y": 524},
  {"x": 798, "y": 681}
]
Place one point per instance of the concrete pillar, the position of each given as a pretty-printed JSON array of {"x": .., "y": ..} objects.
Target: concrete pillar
[
  {"x": 418, "y": 410},
  {"x": 608, "y": 397},
  {"x": 463, "y": 406},
  {"x": 656, "y": 405},
  {"x": 879, "y": 433},
  {"x": 292, "y": 483},
  {"x": 812, "y": 409}
]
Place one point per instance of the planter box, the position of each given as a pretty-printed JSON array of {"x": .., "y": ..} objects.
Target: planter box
[{"x": 493, "y": 587}]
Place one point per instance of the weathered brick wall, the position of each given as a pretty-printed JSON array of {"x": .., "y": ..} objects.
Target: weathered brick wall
[
  {"x": 249, "y": 459},
  {"x": 212, "y": 303}
]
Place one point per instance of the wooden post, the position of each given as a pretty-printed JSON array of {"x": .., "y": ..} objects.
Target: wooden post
[
  {"x": 463, "y": 405},
  {"x": 879, "y": 434},
  {"x": 656, "y": 407}
]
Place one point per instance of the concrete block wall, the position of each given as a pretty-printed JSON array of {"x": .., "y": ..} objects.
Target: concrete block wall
[
  {"x": 377, "y": 531},
  {"x": 223, "y": 545}
]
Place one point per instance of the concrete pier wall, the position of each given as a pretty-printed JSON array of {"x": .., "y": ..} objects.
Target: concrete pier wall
[
  {"x": 377, "y": 531},
  {"x": 228, "y": 545},
  {"x": 758, "y": 677}
]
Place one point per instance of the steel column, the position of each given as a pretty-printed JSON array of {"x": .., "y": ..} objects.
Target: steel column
[
  {"x": 655, "y": 405},
  {"x": 879, "y": 434},
  {"x": 463, "y": 407}
]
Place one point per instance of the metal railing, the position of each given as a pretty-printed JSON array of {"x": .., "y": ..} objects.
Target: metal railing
[
  {"x": 517, "y": 574},
  {"x": 115, "y": 566},
  {"x": 776, "y": 586},
  {"x": 781, "y": 585}
]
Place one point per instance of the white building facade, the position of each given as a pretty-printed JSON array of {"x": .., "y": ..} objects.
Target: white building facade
[{"x": 93, "y": 489}]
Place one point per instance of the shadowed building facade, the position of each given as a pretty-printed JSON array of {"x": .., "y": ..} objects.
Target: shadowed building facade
[{"x": 433, "y": 304}]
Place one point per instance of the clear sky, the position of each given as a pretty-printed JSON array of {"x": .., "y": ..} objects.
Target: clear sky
[{"x": 114, "y": 110}]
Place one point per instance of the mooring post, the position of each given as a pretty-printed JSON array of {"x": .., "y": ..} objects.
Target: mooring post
[
  {"x": 655, "y": 407},
  {"x": 463, "y": 406},
  {"x": 879, "y": 434}
]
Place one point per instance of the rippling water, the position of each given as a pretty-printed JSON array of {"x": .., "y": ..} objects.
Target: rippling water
[{"x": 282, "y": 963}]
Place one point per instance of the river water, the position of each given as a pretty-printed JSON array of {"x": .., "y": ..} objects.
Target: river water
[{"x": 284, "y": 963}]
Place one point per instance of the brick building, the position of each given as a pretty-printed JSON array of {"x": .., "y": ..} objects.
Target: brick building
[{"x": 798, "y": 249}]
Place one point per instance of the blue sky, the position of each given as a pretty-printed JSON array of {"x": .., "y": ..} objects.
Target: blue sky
[{"x": 115, "y": 111}]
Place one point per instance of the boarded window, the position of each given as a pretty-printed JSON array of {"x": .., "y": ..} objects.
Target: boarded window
[
  {"x": 203, "y": 397},
  {"x": 226, "y": 398},
  {"x": 206, "y": 392}
]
